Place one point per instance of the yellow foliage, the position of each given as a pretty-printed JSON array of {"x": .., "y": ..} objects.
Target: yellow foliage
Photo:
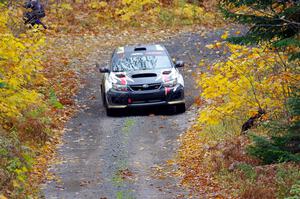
[
  {"x": 97, "y": 4},
  {"x": 225, "y": 35},
  {"x": 66, "y": 6},
  {"x": 131, "y": 8},
  {"x": 190, "y": 11},
  {"x": 2, "y": 197},
  {"x": 251, "y": 78},
  {"x": 19, "y": 70}
]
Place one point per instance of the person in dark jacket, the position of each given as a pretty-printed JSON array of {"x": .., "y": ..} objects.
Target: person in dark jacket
[{"x": 37, "y": 12}]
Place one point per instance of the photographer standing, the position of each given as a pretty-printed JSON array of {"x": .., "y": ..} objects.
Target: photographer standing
[{"x": 37, "y": 12}]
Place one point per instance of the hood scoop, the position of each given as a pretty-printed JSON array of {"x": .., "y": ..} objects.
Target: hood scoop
[{"x": 142, "y": 75}]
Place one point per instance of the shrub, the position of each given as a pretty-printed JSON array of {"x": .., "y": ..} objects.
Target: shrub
[
  {"x": 295, "y": 191},
  {"x": 15, "y": 162},
  {"x": 285, "y": 144},
  {"x": 132, "y": 10}
]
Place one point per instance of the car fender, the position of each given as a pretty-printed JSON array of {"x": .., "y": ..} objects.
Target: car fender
[
  {"x": 107, "y": 82},
  {"x": 180, "y": 79}
]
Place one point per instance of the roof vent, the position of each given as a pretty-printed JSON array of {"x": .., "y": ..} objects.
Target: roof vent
[{"x": 140, "y": 49}]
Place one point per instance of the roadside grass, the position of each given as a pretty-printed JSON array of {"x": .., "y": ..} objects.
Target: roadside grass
[
  {"x": 268, "y": 181},
  {"x": 124, "y": 195},
  {"x": 128, "y": 124},
  {"x": 213, "y": 162},
  {"x": 122, "y": 175},
  {"x": 227, "y": 130}
]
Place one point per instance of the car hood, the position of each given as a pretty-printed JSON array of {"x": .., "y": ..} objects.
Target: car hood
[{"x": 144, "y": 76}]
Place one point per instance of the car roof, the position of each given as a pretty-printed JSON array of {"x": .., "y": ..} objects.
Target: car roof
[{"x": 141, "y": 48}]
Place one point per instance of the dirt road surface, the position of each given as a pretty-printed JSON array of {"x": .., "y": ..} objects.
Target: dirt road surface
[{"x": 118, "y": 157}]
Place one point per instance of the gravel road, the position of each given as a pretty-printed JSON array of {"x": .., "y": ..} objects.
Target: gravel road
[{"x": 117, "y": 157}]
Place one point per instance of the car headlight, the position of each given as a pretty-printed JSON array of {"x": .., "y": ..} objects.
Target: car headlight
[
  {"x": 171, "y": 83},
  {"x": 119, "y": 87}
]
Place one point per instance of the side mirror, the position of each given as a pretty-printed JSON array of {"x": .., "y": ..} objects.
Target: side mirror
[
  {"x": 97, "y": 65},
  {"x": 104, "y": 70},
  {"x": 179, "y": 64}
]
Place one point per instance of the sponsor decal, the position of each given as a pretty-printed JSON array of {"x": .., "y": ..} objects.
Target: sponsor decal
[
  {"x": 167, "y": 91},
  {"x": 137, "y": 54},
  {"x": 120, "y": 50},
  {"x": 123, "y": 81},
  {"x": 159, "y": 47},
  {"x": 155, "y": 53}
]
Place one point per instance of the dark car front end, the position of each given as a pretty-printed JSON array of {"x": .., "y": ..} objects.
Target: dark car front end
[
  {"x": 145, "y": 94},
  {"x": 142, "y": 76}
]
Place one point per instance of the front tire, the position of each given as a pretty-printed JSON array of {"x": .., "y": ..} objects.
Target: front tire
[
  {"x": 103, "y": 96},
  {"x": 110, "y": 112},
  {"x": 180, "y": 108}
]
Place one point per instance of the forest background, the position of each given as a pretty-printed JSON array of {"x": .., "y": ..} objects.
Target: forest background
[{"x": 259, "y": 79}]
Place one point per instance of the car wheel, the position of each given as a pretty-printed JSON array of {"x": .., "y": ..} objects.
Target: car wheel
[
  {"x": 110, "y": 112},
  {"x": 103, "y": 96},
  {"x": 180, "y": 108}
]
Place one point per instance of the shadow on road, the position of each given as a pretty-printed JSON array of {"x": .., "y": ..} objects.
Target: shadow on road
[{"x": 146, "y": 111}]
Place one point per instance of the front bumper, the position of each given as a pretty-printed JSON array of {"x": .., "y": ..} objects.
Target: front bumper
[{"x": 162, "y": 96}]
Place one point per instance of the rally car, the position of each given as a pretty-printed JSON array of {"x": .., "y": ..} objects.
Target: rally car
[{"x": 142, "y": 75}]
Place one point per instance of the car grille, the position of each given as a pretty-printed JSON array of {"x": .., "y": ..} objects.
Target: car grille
[
  {"x": 146, "y": 101},
  {"x": 145, "y": 87}
]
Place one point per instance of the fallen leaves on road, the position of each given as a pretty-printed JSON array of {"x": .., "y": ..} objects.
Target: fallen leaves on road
[{"x": 126, "y": 174}]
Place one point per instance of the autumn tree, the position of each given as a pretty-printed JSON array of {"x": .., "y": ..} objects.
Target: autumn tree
[
  {"x": 276, "y": 25},
  {"x": 20, "y": 80}
]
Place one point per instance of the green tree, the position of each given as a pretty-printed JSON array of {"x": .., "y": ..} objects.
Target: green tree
[
  {"x": 284, "y": 145},
  {"x": 274, "y": 21}
]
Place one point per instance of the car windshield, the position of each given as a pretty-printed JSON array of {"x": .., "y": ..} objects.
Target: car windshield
[{"x": 140, "y": 61}]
